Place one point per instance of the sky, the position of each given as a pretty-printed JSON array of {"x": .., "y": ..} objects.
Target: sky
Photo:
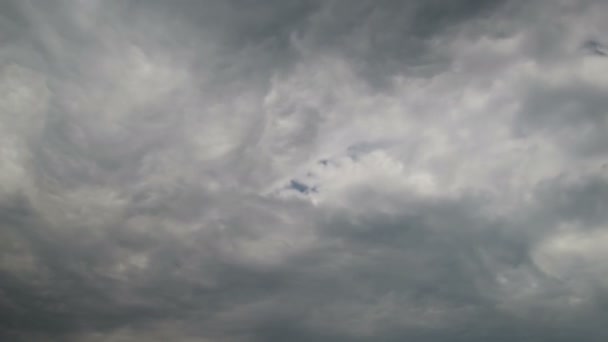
[{"x": 302, "y": 170}]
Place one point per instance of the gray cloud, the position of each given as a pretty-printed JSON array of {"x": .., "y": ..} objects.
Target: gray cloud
[{"x": 303, "y": 171}]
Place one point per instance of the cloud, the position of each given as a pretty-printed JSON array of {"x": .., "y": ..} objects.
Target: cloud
[{"x": 302, "y": 171}]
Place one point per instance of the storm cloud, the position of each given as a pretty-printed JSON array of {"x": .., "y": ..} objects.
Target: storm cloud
[{"x": 303, "y": 170}]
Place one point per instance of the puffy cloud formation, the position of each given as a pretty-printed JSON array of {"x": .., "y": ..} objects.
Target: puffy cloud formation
[{"x": 302, "y": 170}]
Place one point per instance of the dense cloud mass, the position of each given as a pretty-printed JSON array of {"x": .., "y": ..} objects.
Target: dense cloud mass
[{"x": 302, "y": 170}]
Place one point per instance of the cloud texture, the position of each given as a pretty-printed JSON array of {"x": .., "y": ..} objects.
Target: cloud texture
[{"x": 303, "y": 170}]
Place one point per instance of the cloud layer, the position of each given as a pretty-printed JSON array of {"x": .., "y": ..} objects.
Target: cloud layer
[{"x": 303, "y": 170}]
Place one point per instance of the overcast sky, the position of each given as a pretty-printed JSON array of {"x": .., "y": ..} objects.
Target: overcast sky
[{"x": 300, "y": 170}]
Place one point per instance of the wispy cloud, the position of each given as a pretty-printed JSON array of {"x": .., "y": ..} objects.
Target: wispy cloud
[{"x": 303, "y": 170}]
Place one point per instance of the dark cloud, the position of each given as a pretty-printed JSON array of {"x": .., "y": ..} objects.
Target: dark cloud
[
  {"x": 302, "y": 171},
  {"x": 595, "y": 47}
]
